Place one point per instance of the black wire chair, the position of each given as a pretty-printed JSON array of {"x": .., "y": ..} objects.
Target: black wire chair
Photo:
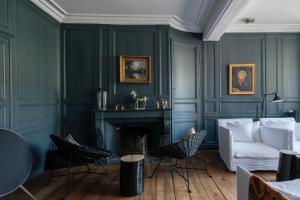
[
  {"x": 73, "y": 153},
  {"x": 182, "y": 150}
]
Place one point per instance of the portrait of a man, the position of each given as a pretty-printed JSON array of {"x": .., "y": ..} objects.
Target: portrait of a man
[{"x": 242, "y": 79}]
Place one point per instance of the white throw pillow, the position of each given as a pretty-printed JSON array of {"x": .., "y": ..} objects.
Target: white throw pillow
[
  {"x": 70, "y": 139},
  {"x": 191, "y": 132},
  {"x": 241, "y": 132},
  {"x": 290, "y": 125},
  {"x": 280, "y": 124}
]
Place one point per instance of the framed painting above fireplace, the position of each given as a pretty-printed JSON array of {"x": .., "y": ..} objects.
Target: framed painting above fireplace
[{"x": 135, "y": 69}]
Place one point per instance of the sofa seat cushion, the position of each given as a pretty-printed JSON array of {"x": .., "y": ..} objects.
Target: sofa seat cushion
[{"x": 254, "y": 150}]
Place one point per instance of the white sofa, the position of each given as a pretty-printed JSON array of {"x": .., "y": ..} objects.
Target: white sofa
[
  {"x": 260, "y": 154},
  {"x": 290, "y": 189}
]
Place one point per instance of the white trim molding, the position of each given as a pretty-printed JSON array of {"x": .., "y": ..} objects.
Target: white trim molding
[
  {"x": 223, "y": 15},
  {"x": 62, "y": 16},
  {"x": 51, "y": 8},
  {"x": 257, "y": 28}
]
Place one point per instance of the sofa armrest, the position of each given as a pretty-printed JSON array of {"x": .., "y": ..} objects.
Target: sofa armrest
[
  {"x": 281, "y": 139},
  {"x": 225, "y": 143}
]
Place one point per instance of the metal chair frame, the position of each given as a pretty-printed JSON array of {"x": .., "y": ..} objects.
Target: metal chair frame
[
  {"x": 65, "y": 150},
  {"x": 178, "y": 169}
]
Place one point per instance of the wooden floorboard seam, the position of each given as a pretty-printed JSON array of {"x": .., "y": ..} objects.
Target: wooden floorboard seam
[{"x": 165, "y": 185}]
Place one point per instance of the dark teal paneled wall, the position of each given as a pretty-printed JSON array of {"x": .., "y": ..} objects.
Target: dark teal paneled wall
[
  {"x": 80, "y": 48},
  {"x": 192, "y": 73},
  {"x": 29, "y": 68},
  {"x": 186, "y": 65},
  {"x": 278, "y": 64},
  {"x": 91, "y": 61}
]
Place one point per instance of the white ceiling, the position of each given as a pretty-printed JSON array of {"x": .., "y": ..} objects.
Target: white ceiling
[
  {"x": 187, "y": 10},
  {"x": 270, "y": 16},
  {"x": 212, "y": 17}
]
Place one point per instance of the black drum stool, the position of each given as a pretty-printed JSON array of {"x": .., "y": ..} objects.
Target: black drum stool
[
  {"x": 289, "y": 166},
  {"x": 132, "y": 175}
]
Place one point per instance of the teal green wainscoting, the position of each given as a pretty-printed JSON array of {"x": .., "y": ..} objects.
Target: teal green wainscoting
[
  {"x": 29, "y": 68},
  {"x": 186, "y": 62},
  {"x": 193, "y": 74},
  {"x": 90, "y": 60},
  {"x": 277, "y": 68}
]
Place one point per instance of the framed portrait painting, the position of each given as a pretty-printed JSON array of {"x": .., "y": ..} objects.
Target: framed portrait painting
[
  {"x": 242, "y": 79},
  {"x": 135, "y": 69}
]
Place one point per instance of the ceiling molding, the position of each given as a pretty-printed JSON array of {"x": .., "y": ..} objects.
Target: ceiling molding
[
  {"x": 116, "y": 19},
  {"x": 51, "y": 8},
  {"x": 59, "y": 14},
  {"x": 252, "y": 28},
  {"x": 179, "y": 24},
  {"x": 223, "y": 15},
  {"x": 173, "y": 21}
]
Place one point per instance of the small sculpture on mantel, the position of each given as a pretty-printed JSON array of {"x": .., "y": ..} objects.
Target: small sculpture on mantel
[
  {"x": 139, "y": 102},
  {"x": 162, "y": 104}
]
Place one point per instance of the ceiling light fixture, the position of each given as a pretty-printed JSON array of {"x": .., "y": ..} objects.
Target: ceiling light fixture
[{"x": 248, "y": 20}]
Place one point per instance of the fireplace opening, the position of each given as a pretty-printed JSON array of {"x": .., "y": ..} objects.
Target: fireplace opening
[{"x": 134, "y": 140}]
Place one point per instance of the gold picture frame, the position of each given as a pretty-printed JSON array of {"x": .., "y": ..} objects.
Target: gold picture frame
[
  {"x": 242, "y": 79},
  {"x": 135, "y": 69}
]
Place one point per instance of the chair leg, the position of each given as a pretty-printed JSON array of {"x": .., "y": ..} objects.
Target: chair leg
[
  {"x": 187, "y": 176},
  {"x": 88, "y": 167},
  {"x": 106, "y": 171},
  {"x": 68, "y": 176},
  {"x": 201, "y": 169},
  {"x": 156, "y": 168},
  {"x": 207, "y": 172},
  {"x": 27, "y": 192},
  {"x": 50, "y": 177},
  {"x": 51, "y": 173}
]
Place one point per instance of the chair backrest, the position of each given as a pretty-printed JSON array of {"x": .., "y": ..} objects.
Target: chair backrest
[
  {"x": 190, "y": 145},
  {"x": 222, "y": 122},
  {"x": 64, "y": 147},
  {"x": 15, "y": 161}
]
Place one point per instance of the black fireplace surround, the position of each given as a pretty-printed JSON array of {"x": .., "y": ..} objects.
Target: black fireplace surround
[{"x": 136, "y": 130}]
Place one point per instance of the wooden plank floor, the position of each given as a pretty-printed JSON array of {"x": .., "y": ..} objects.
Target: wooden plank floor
[{"x": 164, "y": 186}]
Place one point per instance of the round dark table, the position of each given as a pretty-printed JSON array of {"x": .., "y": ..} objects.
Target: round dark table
[{"x": 132, "y": 175}]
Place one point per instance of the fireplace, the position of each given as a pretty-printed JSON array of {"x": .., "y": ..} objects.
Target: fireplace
[
  {"x": 133, "y": 140},
  {"x": 132, "y": 131}
]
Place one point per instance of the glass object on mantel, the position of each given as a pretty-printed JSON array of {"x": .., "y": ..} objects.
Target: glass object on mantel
[{"x": 102, "y": 99}]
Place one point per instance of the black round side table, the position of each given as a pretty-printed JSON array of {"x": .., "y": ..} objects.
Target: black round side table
[
  {"x": 297, "y": 167},
  {"x": 132, "y": 175},
  {"x": 287, "y": 165}
]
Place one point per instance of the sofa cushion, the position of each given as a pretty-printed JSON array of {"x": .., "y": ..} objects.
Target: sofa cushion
[
  {"x": 280, "y": 124},
  {"x": 254, "y": 150},
  {"x": 241, "y": 132},
  {"x": 264, "y": 121}
]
